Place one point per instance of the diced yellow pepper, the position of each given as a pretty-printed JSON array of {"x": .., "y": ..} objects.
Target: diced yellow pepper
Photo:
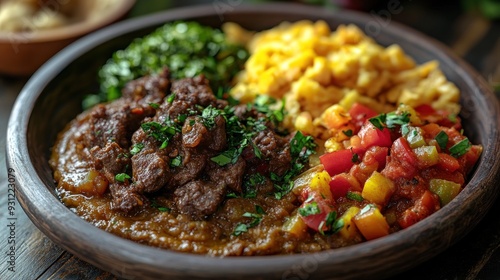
[
  {"x": 446, "y": 190},
  {"x": 427, "y": 155},
  {"x": 371, "y": 223},
  {"x": 295, "y": 225},
  {"x": 320, "y": 183},
  {"x": 304, "y": 179},
  {"x": 349, "y": 229},
  {"x": 378, "y": 189}
]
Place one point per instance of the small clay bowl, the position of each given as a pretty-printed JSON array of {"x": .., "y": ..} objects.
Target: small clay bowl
[{"x": 22, "y": 53}]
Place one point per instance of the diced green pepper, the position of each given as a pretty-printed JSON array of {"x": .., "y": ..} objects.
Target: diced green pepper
[
  {"x": 446, "y": 190},
  {"x": 415, "y": 137},
  {"x": 427, "y": 155}
]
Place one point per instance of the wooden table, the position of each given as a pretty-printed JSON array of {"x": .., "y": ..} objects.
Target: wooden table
[{"x": 477, "y": 256}]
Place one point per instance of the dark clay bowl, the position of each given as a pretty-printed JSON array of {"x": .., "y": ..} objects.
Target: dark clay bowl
[{"x": 53, "y": 97}]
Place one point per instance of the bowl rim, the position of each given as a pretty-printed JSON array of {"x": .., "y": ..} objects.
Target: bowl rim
[
  {"x": 73, "y": 30},
  {"x": 136, "y": 255}
]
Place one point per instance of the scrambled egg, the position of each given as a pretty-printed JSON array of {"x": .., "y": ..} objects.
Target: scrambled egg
[{"x": 317, "y": 71}]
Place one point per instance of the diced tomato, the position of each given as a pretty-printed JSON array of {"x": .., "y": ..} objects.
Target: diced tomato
[
  {"x": 376, "y": 154},
  {"x": 355, "y": 145},
  {"x": 338, "y": 161},
  {"x": 360, "y": 113},
  {"x": 402, "y": 152},
  {"x": 447, "y": 162},
  {"x": 425, "y": 110},
  {"x": 339, "y": 185},
  {"x": 325, "y": 207},
  {"x": 372, "y": 136},
  {"x": 427, "y": 204}
]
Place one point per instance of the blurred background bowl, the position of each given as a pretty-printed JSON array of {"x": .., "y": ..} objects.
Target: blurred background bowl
[{"x": 22, "y": 52}]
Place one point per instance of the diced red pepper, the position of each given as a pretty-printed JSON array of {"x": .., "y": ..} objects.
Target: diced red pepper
[
  {"x": 360, "y": 113},
  {"x": 337, "y": 162},
  {"x": 425, "y": 110},
  {"x": 339, "y": 186},
  {"x": 376, "y": 154},
  {"x": 372, "y": 136},
  {"x": 447, "y": 162},
  {"x": 315, "y": 221},
  {"x": 402, "y": 152}
]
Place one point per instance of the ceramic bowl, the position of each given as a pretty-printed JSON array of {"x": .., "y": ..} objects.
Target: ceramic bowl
[
  {"x": 21, "y": 53},
  {"x": 53, "y": 96}
]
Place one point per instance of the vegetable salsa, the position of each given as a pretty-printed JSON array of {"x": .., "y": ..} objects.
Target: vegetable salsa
[{"x": 392, "y": 171}]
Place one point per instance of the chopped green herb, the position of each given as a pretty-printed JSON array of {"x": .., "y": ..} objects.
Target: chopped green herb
[
  {"x": 186, "y": 48},
  {"x": 332, "y": 224},
  {"x": 176, "y": 161},
  {"x": 442, "y": 139},
  {"x": 160, "y": 208},
  {"x": 348, "y": 132},
  {"x": 136, "y": 148},
  {"x": 309, "y": 209},
  {"x": 171, "y": 98},
  {"x": 208, "y": 116},
  {"x": 121, "y": 177},
  {"x": 390, "y": 120},
  {"x": 154, "y": 105},
  {"x": 160, "y": 132},
  {"x": 460, "y": 148},
  {"x": 452, "y": 118},
  {"x": 256, "y": 219},
  {"x": 354, "y": 196},
  {"x": 355, "y": 158}
]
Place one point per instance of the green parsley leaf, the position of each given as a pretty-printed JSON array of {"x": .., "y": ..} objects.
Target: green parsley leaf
[
  {"x": 309, "y": 209},
  {"x": 222, "y": 159},
  {"x": 348, "y": 132},
  {"x": 460, "y": 148},
  {"x": 121, "y": 177},
  {"x": 393, "y": 119},
  {"x": 154, "y": 105},
  {"x": 136, "y": 148},
  {"x": 171, "y": 98},
  {"x": 239, "y": 229},
  {"x": 332, "y": 224},
  {"x": 176, "y": 161},
  {"x": 378, "y": 121},
  {"x": 354, "y": 196},
  {"x": 442, "y": 139},
  {"x": 355, "y": 158}
]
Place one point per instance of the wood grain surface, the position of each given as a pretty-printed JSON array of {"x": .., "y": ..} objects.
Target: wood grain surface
[{"x": 477, "y": 256}]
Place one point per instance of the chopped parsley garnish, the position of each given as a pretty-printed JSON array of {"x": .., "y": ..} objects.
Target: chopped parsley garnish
[
  {"x": 309, "y": 209},
  {"x": 452, "y": 118},
  {"x": 176, "y": 161},
  {"x": 442, "y": 139},
  {"x": 136, "y": 148},
  {"x": 256, "y": 219},
  {"x": 208, "y": 116},
  {"x": 460, "y": 148},
  {"x": 348, "y": 132},
  {"x": 332, "y": 224},
  {"x": 154, "y": 105},
  {"x": 354, "y": 196},
  {"x": 390, "y": 120},
  {"x": 355, "y": 158},
  {"x": 265, "y": 104},
  {"x": 161, "y": 132},
  {"x": 121, "y": 177},
  {"x": 186, "y": 48},
  {"x": 160, "y": 208}
]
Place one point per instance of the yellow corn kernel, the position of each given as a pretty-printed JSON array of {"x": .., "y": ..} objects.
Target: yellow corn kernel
[
  {"x": 371, "y": 223},
  {"x": 378, "y": 189},
  {"x": 304, "y": 123},
  {"x": 349, "y": 229},
  {"x": 320, "y": 183}
]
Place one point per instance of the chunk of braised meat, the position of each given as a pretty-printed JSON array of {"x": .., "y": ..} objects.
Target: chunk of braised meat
[
  {"x": 111, "y": 127},
  {"x": 189, "y": 94},
  {"x": 196, "y": 134},
  {"x": 230, "y": 175},
  {"x": 275, "y": 149},
  {"x": 117, "y": 121},
  {"x": 199, "y": 198}
]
